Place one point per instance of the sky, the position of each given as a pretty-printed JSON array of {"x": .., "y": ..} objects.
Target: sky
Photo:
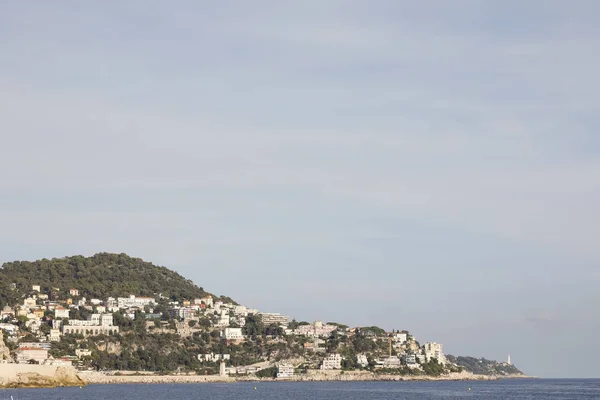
[{"x": 423, "y": 165}]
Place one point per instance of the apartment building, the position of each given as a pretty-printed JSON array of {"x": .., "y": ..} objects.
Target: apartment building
[
  {"x": 332, "y": 361},
  {"x": 274, "y": 318}
]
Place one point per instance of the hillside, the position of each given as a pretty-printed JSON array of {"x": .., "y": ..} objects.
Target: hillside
[
  {"x": 483, "y": 366},
  {"x": 187, "y": 336},
  {"x": 99, "y": 276}
]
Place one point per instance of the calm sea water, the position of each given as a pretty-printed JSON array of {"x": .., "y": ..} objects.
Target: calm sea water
[{"x": 499, "y": 390}]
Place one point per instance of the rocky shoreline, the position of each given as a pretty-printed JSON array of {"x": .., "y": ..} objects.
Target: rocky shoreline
[
  {"x": 312, "y": 376},
  {"x": 33, "y": 376},
  {"x": 38, "y": 376}
]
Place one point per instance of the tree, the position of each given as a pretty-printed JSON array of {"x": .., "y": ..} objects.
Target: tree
[
  {"x": 433, "y": 367},
  {"x": 254, "y": 326},
  {"x": 293, "y": 325},
  {"x": 267, "y": 373},
  {"x": 100, "y": 276},
  {"x": 44, "y": 328},
  {"x": 205, "y": 322},
  {"x": 274, "y": 330}
]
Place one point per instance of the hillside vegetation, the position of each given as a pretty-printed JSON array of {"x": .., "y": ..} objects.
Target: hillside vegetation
[
  {"x": 100, "y": 276},
  {"x": 483, "y": 366},
  {"x": 172, "y": 338}
]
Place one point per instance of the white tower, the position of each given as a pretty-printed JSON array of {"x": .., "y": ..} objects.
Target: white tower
[{"x": 508, "y": 362}]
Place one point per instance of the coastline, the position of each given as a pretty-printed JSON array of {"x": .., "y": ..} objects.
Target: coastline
[
  {"x": 39, "y": 376},
  {"x": 95, "y": 378}
]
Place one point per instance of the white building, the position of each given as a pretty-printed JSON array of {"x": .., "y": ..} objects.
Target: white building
[
  {"x": 317, "y": 328},
  {"x": 74, "y": 292},
  {"x": 112, "y": 302},
  {"x": 83, "y": 353},
  {"x": 90, "y": 330},
  {"x": 208, "y": 301},
  {"x": 58, "y": 362},
  {"x": 391, "y": 362},
  {"x": 362, "y": 360},
  {"x": 182, "y": 312},
  {"x": 54, "y": 335},
  {"x": 7, "y": 312},
  {"x": 24, "y": 354},
  {"x": 332, "y": 361},
  {"x": 106, "y": 319},
  {"x": 285, "y": 370},
  {"x": 96, "y": 324},
  {"x": 434, "y": 350},
  {"x": 274, "y": 318},
  {"x": 410, "y": 359},
  {"x": 233, "y": 334},
  {"x": 80, "y": 322},
  {"x": 212, "y": 357},
  {"x": 94, "y": 319},
  {"x": 400, "y": 337},
  {"x": 61, "y": 312},
  {"x": 223, "y": 318},
  {"x": 132, "y": 301},
  {"x": 36, "y": 288},
  {"x": 30, "y": 302},
  {"x": 240, "y": 311},
  {"x": 95, "y": 302}
]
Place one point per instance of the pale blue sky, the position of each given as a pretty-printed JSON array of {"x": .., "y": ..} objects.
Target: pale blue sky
[{"x": 425, "y": 165}]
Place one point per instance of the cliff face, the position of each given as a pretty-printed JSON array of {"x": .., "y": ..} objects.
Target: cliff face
[{"x": 37, "y": 376}]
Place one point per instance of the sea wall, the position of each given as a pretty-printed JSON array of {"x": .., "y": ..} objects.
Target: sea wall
[
  {"x": 100, "y": 378},
  {"x": 32, "y": 375},
  {"x": 311, "y": 376},
  {"x": 317, "y": 375}
]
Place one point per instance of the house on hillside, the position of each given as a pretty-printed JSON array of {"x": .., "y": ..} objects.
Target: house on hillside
[
  {"x": 54, "y": 335},
  {"x": 332, "y": 361},
  {"x": 27, "y": 354},
  {"x": 285, "y": 370},
  {"x": 7, "y": 312},
  {"x": 233, "y": 334},
  {"x": 434, "y": 350},
  {"x": 61, "y": 312},
  {"x": 30, "y": 302}
]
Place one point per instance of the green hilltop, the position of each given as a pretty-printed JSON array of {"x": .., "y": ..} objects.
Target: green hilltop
[{"x": 99, "y": 276}]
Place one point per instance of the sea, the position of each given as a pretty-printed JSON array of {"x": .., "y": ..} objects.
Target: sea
[{"x": 521, "y": 389}]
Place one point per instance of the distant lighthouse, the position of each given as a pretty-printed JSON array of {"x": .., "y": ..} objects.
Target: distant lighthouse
[{"x": 508, "y": 361}]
